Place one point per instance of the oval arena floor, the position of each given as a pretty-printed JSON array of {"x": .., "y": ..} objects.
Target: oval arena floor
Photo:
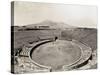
[{"x": 56, "y": 54}]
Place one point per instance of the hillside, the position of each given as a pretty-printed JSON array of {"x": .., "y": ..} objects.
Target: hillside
[{"x": 87, "y": 36}]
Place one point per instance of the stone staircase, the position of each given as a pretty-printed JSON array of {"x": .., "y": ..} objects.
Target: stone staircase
[{"x": 25, "y": 51}]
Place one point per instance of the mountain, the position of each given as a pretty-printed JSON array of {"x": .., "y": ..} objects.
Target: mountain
[{"x": 51, "y": 24}]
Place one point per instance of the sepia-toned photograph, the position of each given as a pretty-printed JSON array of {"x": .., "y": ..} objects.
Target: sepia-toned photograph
[{"x": 52, "y": 37}]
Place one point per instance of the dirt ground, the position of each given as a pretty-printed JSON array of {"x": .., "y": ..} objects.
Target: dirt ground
[{"x": 57, "y": 54}]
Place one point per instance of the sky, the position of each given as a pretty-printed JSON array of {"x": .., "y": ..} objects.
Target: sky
[{"x": 75, "y": 15}]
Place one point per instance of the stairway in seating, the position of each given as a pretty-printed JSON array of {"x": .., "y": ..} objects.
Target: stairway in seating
[{"x": 25, "y": 51}]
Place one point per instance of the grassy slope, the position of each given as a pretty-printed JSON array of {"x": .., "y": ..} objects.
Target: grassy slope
[
  {"x": 23, "y": 37},
  {"x": 84, "y": 35}
]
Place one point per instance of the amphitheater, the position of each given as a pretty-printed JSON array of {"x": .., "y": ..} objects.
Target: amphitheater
[{"x": 74, "y": 49}]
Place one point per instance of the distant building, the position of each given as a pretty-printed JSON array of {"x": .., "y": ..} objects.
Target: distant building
[{"x": 43, "y": 27}]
